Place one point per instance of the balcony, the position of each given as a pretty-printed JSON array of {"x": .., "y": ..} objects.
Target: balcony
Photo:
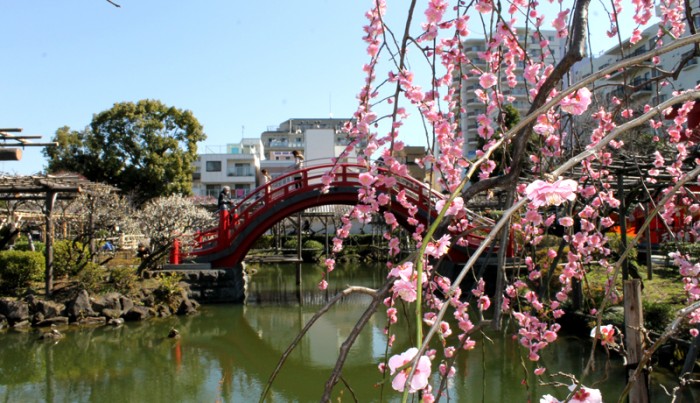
[
  {"x": 637, "y": 52},
  {"x": 692, "y": 62}
]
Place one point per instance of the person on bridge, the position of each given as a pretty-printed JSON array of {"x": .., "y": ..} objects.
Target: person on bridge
[
  {"x": 225, "y": 201},
  {"x": 266, "y": 177},
  {"x": 298, "y": 164},
  {"x": 266, "y": 180}
]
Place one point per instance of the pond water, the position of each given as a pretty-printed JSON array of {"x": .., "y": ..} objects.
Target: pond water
[{"x": 226, "y": 353}]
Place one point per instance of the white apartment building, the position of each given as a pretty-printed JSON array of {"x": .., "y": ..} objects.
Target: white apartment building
[
  {"x": 474, "y": 107},
  {"x": 234, "y": 165},
  {"x": 632, "y": 84},
  {"x": 318, "y": 139},
  {"x": 238, "y": 165}
]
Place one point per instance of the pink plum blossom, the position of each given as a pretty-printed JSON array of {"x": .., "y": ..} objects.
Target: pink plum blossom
[
  {"x": 543, "y": 193},
  {"x": 607, "y": 334},
  {"x": 420, "y": 376},
  {"x": 582, "y": 395},
  {"x": 455, "y": 207},
  {"x": 366, "y": 179},
  {"x": 487, "y": 80},
  {"x": 578, "y": 102}
]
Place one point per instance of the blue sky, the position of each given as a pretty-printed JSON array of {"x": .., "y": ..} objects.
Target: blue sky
[{"x": 239, "y": 66}]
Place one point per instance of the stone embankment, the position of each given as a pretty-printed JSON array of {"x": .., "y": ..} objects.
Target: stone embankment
[{"x": 82, "y": 309}]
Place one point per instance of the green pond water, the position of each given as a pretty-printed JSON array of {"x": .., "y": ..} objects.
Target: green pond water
[{"x": 226, "y": 353}]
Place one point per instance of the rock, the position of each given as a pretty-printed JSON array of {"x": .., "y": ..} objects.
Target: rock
[
  {"x": 52, "y": 334},
  {"x": 3, "y": 321},
  {"x": 174, "y": 334},
  {"x": 126, "y": 303},
  {"x": 31, "y": 299},
  {"x": 110, "y": 300},
  {"x": 111, "y": 313},
  {"x": 21, "y": 324},
  {"x": 163, "y": 311},
  {"x": 92, "y": 321},
  {"x": 116, "y": 322},
  {"x": 48, "y": 309},
  {"x": 14, "y": 311},
  {"x": 80, "y": 307},
  {"x": 56, "y": 320},
  {"x": 148, "y": 299},
  {"x": 137, "y": 312},
  {"x": 187, "y": 307},
  {"x": 209, "y": 276},
  {"x": 38, "y": 317}
]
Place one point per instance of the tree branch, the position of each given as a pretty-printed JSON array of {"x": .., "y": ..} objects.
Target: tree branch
[
  {"x": 377, "y": 299},
  {"x": 309, "y": 324}
]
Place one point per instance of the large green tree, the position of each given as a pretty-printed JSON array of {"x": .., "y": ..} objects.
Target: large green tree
[{"x": 144, "y": 148}]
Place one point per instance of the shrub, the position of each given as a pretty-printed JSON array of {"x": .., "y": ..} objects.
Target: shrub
[
  {"x": 657, "y": 315},
  {"x": 290, "y": 243},
  {"x": 689, "y": 248},
  {"x": 123, "y": 279},
  {"x": 92, "y": 277},
  {"x": 69, "y": 258},
  {"x": 311, "y": 250},
  {"x": 264, "y": 242},
  {"x": 19, "y": 268},
  {"x": 168, "y": 286},
  {"x": 23, "y": 245},
  {"x": 615, "y": 243}
]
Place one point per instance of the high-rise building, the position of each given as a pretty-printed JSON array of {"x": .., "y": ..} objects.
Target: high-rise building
[
  {"x": 474, "y": 48},
  {"x": 640, "y": 84}
]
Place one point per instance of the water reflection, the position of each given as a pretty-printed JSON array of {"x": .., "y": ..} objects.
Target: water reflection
[{"x": 227, "y": 352}]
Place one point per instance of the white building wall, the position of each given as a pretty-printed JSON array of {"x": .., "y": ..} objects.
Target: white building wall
[
  {"x": 320, "y": 146},
  {"x": 237, "y": 167}
]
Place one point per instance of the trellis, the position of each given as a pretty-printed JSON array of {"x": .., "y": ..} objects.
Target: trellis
[{"x": 49, "y": 188}]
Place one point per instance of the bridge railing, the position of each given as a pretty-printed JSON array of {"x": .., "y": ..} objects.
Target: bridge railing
[
  {"x": 311, "y": 178},
  {"x": 281, "y": 188}
]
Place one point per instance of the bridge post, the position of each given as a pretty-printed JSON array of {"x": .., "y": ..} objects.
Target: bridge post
[
  {"x": 224, "y": 225},
  {"x": 299, "y": 260},
  {"x": 175, "y": 252}
]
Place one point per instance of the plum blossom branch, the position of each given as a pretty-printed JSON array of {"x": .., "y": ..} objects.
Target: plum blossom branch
[
  {"x": 556, "y": 173},
  {"x": 671, "y": 329},
  {"x": 555, "y": 100},
  {"x": 631, "y": 245}
]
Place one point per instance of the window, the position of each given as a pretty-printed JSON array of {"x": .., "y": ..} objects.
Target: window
[
  {"x": 213, "y": 190},
  {"x": 651, "y": 44},
  {"x": 213, "y": 166},
  {"x": 240, "y": 170}
]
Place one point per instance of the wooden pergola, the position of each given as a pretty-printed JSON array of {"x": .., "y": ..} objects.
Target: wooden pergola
[
  {"x": 48, "y": 188},
  {"x": 10, "y": 139}
]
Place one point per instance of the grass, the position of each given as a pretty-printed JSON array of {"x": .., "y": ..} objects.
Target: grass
[{"x": 662, "y": 295}]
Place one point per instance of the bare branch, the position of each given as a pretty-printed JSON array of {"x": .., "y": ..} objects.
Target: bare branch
[{"x": 309, "y": 324}]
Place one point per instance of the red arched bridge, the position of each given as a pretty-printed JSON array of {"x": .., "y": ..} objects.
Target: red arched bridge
[{"x": 227, "y": 245}]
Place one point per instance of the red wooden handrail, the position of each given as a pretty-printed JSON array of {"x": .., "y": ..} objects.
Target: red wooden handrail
[{"x": 283, "y": 187}]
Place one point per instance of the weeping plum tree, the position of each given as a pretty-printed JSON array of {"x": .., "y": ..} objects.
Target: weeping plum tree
[{"x": 429, "y": 88}]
